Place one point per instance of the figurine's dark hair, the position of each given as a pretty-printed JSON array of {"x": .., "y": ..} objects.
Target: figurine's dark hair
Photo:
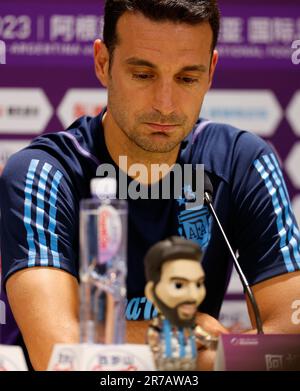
[
  {"x": 169, "y": 249},
  {"x": 177, "y": 11}
]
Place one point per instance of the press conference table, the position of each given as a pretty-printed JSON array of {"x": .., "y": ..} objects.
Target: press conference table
[{"x": 245, "y": 356}]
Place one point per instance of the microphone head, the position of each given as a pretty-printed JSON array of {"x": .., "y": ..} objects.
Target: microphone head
[{"x": 208, "y": 187}]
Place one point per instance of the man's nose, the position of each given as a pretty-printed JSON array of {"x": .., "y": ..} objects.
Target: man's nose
[{"x": 164, "y": 97}]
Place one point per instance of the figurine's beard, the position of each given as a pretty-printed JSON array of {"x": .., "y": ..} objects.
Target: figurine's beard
[{"x": 172, "y": 313}]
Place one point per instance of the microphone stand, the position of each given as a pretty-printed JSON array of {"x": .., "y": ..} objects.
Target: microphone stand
[{"x": 248, "y": 290}]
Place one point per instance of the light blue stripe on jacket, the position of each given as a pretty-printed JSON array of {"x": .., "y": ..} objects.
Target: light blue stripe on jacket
[
  {"x": 27, "y": 211},
  {"x": 291, "y": 235},
  {"x": 40, "y": 214},
  {"x": 52, "y": 218},
  {"x": 278, "y": 211}
]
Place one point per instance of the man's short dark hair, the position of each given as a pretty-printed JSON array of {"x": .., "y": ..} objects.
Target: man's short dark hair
[
  {"x": 183, "y": 11},
  {"x": 172, "y": 248}
]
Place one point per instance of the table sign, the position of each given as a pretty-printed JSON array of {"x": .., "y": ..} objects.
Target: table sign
[
  {"x": 244, "y": 352},
  {"x": 12, "y": 359},
  {"x": 84, "y": 357}
]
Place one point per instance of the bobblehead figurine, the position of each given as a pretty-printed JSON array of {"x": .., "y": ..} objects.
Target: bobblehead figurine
[{"x": 175, "y": 285}]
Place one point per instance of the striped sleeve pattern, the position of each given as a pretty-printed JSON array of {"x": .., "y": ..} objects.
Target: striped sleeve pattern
[
  {"x": 40, "y": 210},
  {"x": 288, "y": 231}
]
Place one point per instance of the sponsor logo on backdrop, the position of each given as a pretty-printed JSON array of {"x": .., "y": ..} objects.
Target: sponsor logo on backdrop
[
  {"x": 54, "y": 36},
  {"x": 254, "y": 110},
  {"x": 292, "y": 164},
  {"x": 2, "y": 52},
  {"x": 259, "y": 37},
  {"x": 2, "y": 311},
  {"x": 79, "y": 102},
  {"x": 293, "y": 113},
  {"x": 15, "y": 26},
  {"x": 24, "y": 110},
  {"x": 296, "y": 52},
  {"x": 66, "y": 36},
  {"x": 9, "y": 147}
]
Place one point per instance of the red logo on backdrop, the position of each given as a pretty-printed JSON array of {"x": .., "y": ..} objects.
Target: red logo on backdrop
[{"x": 81, "y": 109}]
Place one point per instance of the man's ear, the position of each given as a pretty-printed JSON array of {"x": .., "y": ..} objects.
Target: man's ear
[
  {"x": 149, "y": 291},
  {"x": 101, "y": 61},
  {"x": 214, "y": 61}
]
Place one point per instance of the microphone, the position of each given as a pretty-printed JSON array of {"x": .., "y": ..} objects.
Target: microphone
[{"x": 208, "y": 192}]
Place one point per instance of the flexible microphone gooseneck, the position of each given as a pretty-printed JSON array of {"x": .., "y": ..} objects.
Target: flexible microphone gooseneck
[{"x": 208, "y": 192}]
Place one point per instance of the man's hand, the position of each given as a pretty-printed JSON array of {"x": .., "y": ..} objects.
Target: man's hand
[
  {"x": 212, "y": 326},
  {"x": 136, "y": 332},
  {"x": 45, "y": 305}
]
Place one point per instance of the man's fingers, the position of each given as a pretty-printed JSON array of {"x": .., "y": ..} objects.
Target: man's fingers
[{"x": 210, "y": 324}]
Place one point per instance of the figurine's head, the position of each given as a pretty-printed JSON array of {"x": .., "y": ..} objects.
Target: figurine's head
[{"x": 175, "y": 279}]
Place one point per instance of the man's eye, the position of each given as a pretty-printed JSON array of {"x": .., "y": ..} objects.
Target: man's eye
[
  {"x": 188, "y": 80},
  {"x": 142, "y": 76},
  {"x": 198, "y": 284},
  {"x": 178, "y": 285}
]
